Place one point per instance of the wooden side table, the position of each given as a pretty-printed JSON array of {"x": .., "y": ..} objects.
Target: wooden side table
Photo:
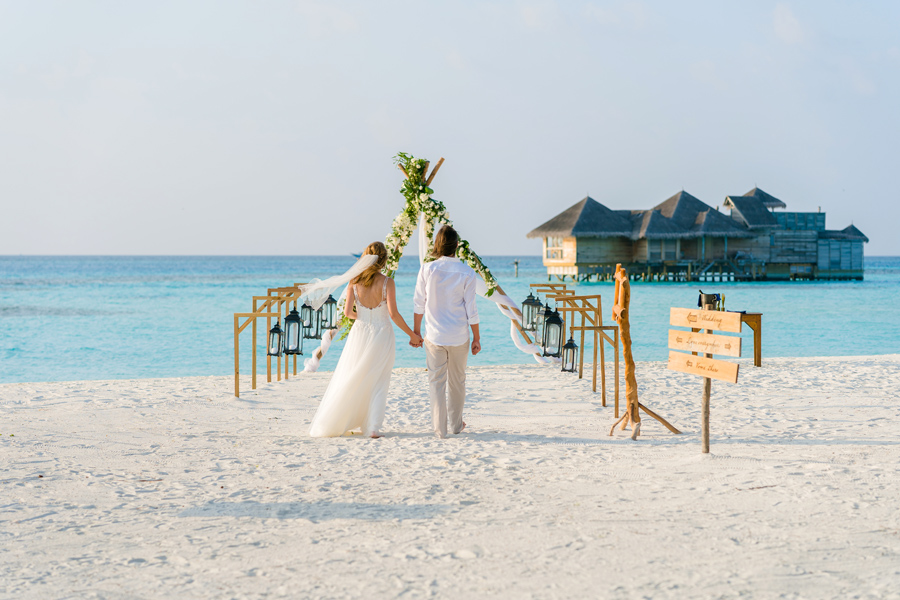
[{"x": 754, "y": 320}]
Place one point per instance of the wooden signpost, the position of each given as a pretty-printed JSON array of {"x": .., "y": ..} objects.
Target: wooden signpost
[{"x": 707, "y": 344}]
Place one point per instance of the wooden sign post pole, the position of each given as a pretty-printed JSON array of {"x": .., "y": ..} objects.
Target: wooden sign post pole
[
  {"x": 704, "y": 411},
  {"x": 707, "y": 388}
]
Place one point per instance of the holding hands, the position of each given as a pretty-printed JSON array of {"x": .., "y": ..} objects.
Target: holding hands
[{"x": 415, "y": 340}]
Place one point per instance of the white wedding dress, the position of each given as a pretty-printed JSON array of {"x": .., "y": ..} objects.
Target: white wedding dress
[{"x": 356, "y": 396}]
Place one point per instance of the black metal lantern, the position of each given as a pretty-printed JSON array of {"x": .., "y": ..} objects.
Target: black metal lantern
[
  {"x": 529, "y": 310},
  {"x": 551, "y": 339},
  {"x": 276, "y": 340},
  {"x": 542, "y": 313},
  {"x": 307, "y": 318},
  {"x": 316, "y": 329},
  {"x": 293, "y": 336},
  {"x": 329, "y": 313},
  {"x": 569, "y": 356}
]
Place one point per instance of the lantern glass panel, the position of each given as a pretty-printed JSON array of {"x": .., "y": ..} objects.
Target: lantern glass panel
[
  {"x": 552, "y": 337},
  {"x": 317, "y": 325},
  {"x": 276, "y": 343},
  {"x": 293, "y": 336},
  {"x": 329, "y": 313},
  {"x": 306, "y": 318},
  {"x": 538, "y": 326},
  {"x": 529, "y": 310},
  {"x": 569, "y": 356}
]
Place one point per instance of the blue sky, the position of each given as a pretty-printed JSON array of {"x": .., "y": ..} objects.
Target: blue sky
[{"x": 269, "y": 127}]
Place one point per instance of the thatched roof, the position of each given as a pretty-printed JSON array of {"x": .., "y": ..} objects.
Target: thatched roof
[
  {"x": 652, "y": 224},
  {"x": 587, "y": 218},
  {"x": 681, "y": 216},
  {"x": 850, "y": 233},
  {"x": 751, "y": 211},
  {"x": 768, "y": 200},
  {"x": 685, "y": 216}
]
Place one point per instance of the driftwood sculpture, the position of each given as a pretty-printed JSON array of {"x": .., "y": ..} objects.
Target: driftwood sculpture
[{"x": 633, "y": 407}]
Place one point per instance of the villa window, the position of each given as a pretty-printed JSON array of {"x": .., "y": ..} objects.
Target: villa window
[
  {"x": 668, "y": 250},
  {"x": 659, "y": 250},
  {"x": 554, "y": 247}
]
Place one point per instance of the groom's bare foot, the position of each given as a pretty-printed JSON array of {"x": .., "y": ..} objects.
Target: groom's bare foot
[
  {"x": 462, "y": 428},
  {"x": 376, "y": 435}
]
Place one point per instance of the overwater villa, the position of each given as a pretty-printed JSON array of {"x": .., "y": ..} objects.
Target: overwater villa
[{"x": 685, "y": 239}]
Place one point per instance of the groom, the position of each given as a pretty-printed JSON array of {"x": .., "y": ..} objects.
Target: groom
[{"x": 445, "y": 296}]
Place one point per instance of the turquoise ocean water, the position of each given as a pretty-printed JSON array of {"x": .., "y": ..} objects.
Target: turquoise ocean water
[{"x": 110, "y": 317}]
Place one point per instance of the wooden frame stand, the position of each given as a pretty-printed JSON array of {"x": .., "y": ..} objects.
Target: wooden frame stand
[{"x": 589, "y": 308}]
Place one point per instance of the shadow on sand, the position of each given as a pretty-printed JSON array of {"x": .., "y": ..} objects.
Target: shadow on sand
[{"x": 319, "y": 511}]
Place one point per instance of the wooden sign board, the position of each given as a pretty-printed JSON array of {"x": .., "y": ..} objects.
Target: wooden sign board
[
  {"x": 705, "y": 343},
  {"x": 696, "y": 318},
  {"x": 704, "y": 367}
]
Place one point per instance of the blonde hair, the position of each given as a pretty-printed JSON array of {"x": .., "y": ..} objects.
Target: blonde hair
[
  {"x": 367, "y": 277},
  {"x": 445, "y": 242}
]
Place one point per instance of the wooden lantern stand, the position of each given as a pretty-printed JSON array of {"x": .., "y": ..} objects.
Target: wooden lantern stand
[
  {"x": 589, "y": 308},
  {"x": 633, "y": 407}
]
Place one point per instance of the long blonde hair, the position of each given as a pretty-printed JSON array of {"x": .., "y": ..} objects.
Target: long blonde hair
[{"x": 367, "y": 277}]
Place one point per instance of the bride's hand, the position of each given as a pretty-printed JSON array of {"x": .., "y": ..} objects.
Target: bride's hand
[{"x": 415, "y": 340}]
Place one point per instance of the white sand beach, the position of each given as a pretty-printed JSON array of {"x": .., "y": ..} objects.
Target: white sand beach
[{"x": 175, "y": 488}]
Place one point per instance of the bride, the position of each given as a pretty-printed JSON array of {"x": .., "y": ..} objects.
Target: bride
[{"x": 357, "y": 393}]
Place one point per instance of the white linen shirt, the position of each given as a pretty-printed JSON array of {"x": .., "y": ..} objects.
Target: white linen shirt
[{"x": 445, "y": 294}]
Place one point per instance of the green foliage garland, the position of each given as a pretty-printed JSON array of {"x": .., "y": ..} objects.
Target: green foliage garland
[{"x": 419, "y": 200}]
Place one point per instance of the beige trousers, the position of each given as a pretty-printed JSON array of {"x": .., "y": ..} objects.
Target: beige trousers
[{"x": 447, "y": 369}]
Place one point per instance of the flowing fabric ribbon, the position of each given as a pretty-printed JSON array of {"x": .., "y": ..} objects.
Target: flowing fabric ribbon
[
  {"x": 316, "y": 292},
  {"x": 505, "y": 305}
]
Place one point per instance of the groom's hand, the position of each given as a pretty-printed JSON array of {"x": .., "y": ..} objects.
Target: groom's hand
[
  {"x": 476, "y": 347},
  {"x": 417, "y": 341}
]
